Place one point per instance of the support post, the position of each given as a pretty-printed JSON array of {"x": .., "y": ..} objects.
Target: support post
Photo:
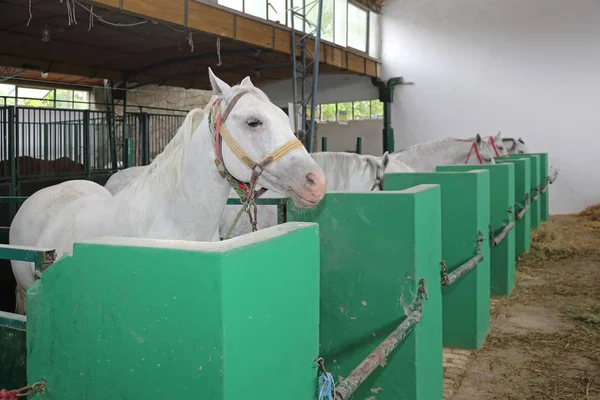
[
  {"x": 87, "y": 148},
  {"x": 323, "y": 143},
  {"x": 359, "y": 145},
  {"x": 145, "y": 132},
  {"x": 12, "y": 166},
  {"x": 386, "y": 96},
  {"x": 128, "y": 153}
]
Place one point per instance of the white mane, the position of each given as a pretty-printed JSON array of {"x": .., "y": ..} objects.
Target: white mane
[{"x": 174, "y": 150}]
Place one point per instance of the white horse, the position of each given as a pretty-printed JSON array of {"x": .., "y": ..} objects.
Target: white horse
[
  {"x": 515, "y": 146},
  {"x": 424, "y": 157},
  {"x": 182, "y": 195},
  {"x": 345, "y": 172},
  {"x": 122, "y": 178}
]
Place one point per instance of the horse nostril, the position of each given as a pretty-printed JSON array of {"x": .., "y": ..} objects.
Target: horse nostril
[{"x": 310, "y": 179}]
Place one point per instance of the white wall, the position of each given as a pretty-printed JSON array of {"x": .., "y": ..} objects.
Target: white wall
[
  {"x": 342, "y": 137},
  {"x": 528, "y": 68},
  {"x": 331, "y": 88}
]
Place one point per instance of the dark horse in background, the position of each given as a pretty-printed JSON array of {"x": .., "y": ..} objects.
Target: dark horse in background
[{"x": 30, "y": 169}]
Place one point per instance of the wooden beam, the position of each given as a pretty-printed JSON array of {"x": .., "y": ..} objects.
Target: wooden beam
[{"x": 243, "y": 28}]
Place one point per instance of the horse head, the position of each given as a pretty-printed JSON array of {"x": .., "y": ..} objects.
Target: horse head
[{"x": 255, "y": 145}]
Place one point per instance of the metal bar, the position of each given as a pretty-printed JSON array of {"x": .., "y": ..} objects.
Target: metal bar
[
  {"x": 323, "y": 143},
  {"x": 145, "y": 130},
  {"x": 42, "y": 258},
  {"x": 463, "y": 269},
  {"x": 87, "y": 148},
  {"x": 359, "y": 145},
  {"x": 522, "y": 212},
  {"x": 497, "y": 239},
  {"x": 377, "y": 357},
  {"x": 315, "y": 76},
  {"x": 264, "y": 202},
  {"x": 281, "y": 212},
  {"x": 12, "y": 166},
  {"x": 129, "y": 146},
  {"x": 13, "y": 321},
  {"x": 12, "y": 199}
]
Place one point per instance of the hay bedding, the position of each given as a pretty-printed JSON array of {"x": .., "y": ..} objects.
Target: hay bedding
[{"x": 545, "y": 338}]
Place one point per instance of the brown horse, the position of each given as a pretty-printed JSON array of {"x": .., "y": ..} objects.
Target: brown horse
[{"x": 32, "y": 168}]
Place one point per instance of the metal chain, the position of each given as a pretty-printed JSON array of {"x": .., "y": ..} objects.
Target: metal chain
[
  {"x": 421, "y": 292},
  {"x": 445, "y": 279}
]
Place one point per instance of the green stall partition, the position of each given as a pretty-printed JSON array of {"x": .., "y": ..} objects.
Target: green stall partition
[
  {"x": 534, "y": 193},
  {"x": 544, "y": 186},
  {"x": 522, "y": 202},
  {"x": 375, "y": 250},
  {"x": 465, "y": 252},
  {"x": 154, "y": 319},
  {"x": 502, "y": 224}
]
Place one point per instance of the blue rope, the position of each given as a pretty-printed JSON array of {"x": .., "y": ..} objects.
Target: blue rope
[{"x": 326, "y": 387}]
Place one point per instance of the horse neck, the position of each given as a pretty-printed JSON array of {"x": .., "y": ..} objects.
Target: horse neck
[
  {"x": 425, "y": 157},
  {"x": 345, "y": 172},
  {"x": 180, "y": 195}
]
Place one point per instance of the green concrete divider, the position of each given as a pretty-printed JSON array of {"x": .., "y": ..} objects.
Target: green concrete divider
[
  {"x": 536, "y": 178},
  {"x": 502, "y": 224},
  {"x": 544, "y": 186},
  {"x": 375, "y": 249},
  {"x": 522, "y": 202},
  {"x": 154, "y": 319},
  {"x": 465, "y": 218}
]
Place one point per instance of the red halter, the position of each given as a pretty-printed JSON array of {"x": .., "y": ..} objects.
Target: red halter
[
  {"x": 493, "y": 143},
  {"x": 474, "y": 147}
]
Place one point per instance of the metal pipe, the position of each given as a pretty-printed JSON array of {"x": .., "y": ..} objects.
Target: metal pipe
[
  {"x": 377, "y": 357},
  {"x": 463, "y": 269},
  {"x": 386, "y": 96},
  {"x": 522, "y": 213},
  {"x": 323, "y": 143},
  {"x": 497, "y": 239},
  {"x": 313, "y": 104},
  {"x": 359, "y": 145}
]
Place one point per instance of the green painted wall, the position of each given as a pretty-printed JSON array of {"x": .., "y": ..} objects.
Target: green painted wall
[
  {"x": 545, "y": 199},
  {"x": 374, "y": 249},
  {"x": 522, "y": 187},
  {"x": 502, "y": 201},
  {"x": 151, "y": 319},
  {"x": 465, "y": 212}
]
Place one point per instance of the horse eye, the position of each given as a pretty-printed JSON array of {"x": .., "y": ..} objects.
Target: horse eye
[{"x": 253, "y": 123}]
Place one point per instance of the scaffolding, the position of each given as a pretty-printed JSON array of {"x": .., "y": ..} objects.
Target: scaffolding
[{"x": 305, "y": 67}]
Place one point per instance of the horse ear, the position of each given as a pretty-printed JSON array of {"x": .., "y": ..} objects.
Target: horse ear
[
  {"x": 478, "y": 139},
  {"x": 498, "y": 136},
  {"x": 247, "y": 82},
  {"x": 219, "y": 87},
  {"x": 521, "y": 140},
  {"x": 385, "y": 159}
]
